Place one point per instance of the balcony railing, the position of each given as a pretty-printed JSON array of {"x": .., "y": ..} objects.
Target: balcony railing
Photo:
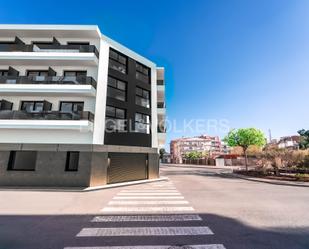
[
  {"x": 160, "y": 82},
  {"x": 50, "y": 115},
  {"x": 49, "y": 48},
  {"x": 160, "y": 105},
  {"x": 63, "y": 80}
]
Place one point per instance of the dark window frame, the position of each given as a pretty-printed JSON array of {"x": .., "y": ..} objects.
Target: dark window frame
[
  {"x": 141, "y": 71},
  {"x": 83, "y": 73},
  {"x": 67, "y": 162},
  {"x": 117, "y": 60},
  {"x": 4, "y": 72},
  {"x": 115, "y": 117},
  {"x": 38, "y": 71},
  {"x": 117, "y": 88},
  {"x": 71, "y": 102},
  {"x": 144, "y": 123},
  {"x": 12, "y": 158},
  {"x": 80, "y": 43},
  {"x": 34, "y": 104},
  {"x": 142, "y": 96}
]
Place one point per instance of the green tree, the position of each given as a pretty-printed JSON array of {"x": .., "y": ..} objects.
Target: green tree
[
  {"x": 193, "y": 155},
  {"x": 161, "y": 152},
  {"x": 304, "y": 140},
  {"x": 244, "y": 138}
]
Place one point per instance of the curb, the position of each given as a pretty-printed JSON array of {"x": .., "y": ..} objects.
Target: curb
[
  {"x": 81, "y": 190},
  {"x": 116, "y": 185},
  {"x": 269, "y": 181}
]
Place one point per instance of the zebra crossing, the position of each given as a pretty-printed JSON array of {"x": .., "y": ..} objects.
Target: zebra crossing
[{"x": 156, "y": 207}]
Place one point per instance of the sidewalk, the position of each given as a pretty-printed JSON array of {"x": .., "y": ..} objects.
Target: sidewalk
[{"x": 269, "y": 181}]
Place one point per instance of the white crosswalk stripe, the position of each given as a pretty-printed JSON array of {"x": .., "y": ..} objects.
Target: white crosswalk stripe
[
  {"x": 153, "y": 193},
  {"x": 142, "y": 209},
  {"x": 160, "y": 202},
  {"x": 146, "y": 197},
  {"x": 148, "y": 218},
  {"x": 144, "y": 231},
  {"x": 210, "y": 246},
  {"x": 155, "y": 202}
]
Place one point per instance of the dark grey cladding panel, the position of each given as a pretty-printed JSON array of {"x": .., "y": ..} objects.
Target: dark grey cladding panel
[{"x": 129, "y": 138}]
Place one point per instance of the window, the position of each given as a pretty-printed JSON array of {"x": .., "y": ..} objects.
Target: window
[
  {"x": 74, "y": 73},
  {"x": 117, "y": 61},
  {"x": 142, "y": 97},
  {"x": 72, "y": 161},
  {"x": 116, "y": 89},
  {"x": 142, "y": 73},
  {"x": 4, "y": 72},
  {"x": 35, "y": 106},
  {"x": 115, "y": 119},
  {"x": 37, "y": 73},
  {"x": 78, "y": 43},
  {"x": 142, "y": 123},
  {"x": 71, "y": 106},
  {"x": 22, "y": 160}
]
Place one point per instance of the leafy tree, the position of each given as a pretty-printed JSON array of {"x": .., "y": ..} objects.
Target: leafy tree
[
  {"x": 193, "y": 155},
  {"x": 161, "y": 152},
  {"x": 244, "y": 138},
  {"x": 304, "y": 141}
]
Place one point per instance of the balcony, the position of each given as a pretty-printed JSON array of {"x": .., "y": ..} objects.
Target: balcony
[
  {"x": 42, "y": 85},
  {"x": 46, "y": 127},
  {"x": 63, "y": 80},
  {"x": 49, "y": 48},
  {"x": 48, "y": 54},
  {"x": 50, "y": 115}
]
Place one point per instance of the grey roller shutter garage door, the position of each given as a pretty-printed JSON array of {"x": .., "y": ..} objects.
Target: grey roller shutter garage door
[{"x": 125, "y": 167}]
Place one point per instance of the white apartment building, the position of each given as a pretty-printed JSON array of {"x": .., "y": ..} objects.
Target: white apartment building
[
  {"x": 210, "y": 145},
  {"x": 76, "y": 108}
]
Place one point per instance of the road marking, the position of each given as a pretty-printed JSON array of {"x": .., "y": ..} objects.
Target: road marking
[
  {"x": 144, "y": 231},
  {"x": 154, "y": 193},
  {"x": 147, "y": 202},
  {"x": 147, "y": 209},
  {"x": 147, "y": 218},
  {"x": 149, "y": 190},
  {"x": 146, "y": 197},
  {"x": 210, "y": 246}
]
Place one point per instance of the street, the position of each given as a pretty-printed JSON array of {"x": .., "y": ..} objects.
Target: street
[{"x": 196, "y": 208}]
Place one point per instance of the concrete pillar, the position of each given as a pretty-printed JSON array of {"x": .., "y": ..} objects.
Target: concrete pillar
[
  {"x": 153, "y": 165},
  {"x": 98, "y": 171}
]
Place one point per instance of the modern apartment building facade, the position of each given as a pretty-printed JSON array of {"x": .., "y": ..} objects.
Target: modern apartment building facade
[
  {"x": 76, "y": 108},
  {"x": 210, "y": 145}
]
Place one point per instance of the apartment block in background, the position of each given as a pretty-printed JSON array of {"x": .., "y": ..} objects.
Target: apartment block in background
[
  {"x": 76, "y": 108},
  {"x": 212, "y": 145}
]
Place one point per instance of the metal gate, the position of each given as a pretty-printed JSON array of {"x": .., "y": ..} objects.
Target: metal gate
[{"x": 123, "y": 167}]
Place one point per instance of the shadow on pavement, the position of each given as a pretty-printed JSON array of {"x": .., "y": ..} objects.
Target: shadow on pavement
[{"x": 55, "y": 231}]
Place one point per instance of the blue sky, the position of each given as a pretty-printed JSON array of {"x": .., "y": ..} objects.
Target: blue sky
[{"x": 243, "y": 61}]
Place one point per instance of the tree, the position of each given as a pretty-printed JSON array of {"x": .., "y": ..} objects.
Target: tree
[
  {"x": 161, "y": 152},
  {"x": 244, "y": 138},
  {"x": 193, "y": 155},
  {"x": 304, "y": 140}
]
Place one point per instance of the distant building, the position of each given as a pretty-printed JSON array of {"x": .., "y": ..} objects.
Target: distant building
[
  {"x": 205, "y": 144},
  {"x": 289, "y": 142}
]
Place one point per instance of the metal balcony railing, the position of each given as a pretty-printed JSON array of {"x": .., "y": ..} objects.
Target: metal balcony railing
[
  {"x": 49, "y": 115},
  {"x": 160, "y": 82},
  {"x": 65, "y": 80},
  {"x": 49, "y": 48},
  {"x": 160, "y": 105}
]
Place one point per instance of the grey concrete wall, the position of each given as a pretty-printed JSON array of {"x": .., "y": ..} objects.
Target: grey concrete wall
[
  {"x": 50, "y": 171},
  {"x": 153, "y": 165}
]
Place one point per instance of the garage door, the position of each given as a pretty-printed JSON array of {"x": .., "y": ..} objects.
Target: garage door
[{"x": 125, "y": 167}]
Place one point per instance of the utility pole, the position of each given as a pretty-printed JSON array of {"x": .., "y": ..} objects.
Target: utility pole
[{"x": 269, "y": 133}]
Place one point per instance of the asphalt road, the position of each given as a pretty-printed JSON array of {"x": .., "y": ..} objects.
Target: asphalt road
[{"x": 197, "y": 206}]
